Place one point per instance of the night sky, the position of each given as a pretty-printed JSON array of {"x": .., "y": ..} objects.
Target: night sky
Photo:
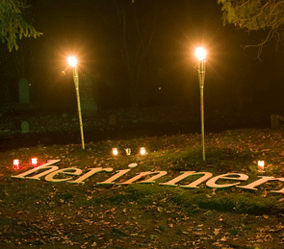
[{"x": 159, "y": 40}]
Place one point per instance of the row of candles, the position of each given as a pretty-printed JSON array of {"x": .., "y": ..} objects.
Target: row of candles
[
  {"x": 16, "y": 163},
  {"x": 115, "y": 152},
  {"x": 34, "y": 161},
  {"x": 142, "y": 151}
]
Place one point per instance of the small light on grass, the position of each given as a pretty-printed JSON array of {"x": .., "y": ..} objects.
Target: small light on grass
[
  {"x": 142, "y": 151},
  {"x": 260, "y": 165},
  {"x": 114, "y": 151},
  {"x": 34, "y": 161},
  {"x": 16, "y": 164},
  {"x": 128, "y": 151}
]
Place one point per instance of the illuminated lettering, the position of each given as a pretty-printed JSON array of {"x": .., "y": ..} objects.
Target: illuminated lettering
[
  {"x": 264, "y": 179},
  {"x": 92, "y": 171},
  {"x": 202, "y": 179},
  {"x": 212, "y": 182},
  {"x": 66, "y": 171},
  {"x": 257, "y": 183},
  {"x": 143, "y": 174},
  {"x": 173, "y": 182},
  {"x": 52, "y": 173},
  {"x": 186, "y": 174}
]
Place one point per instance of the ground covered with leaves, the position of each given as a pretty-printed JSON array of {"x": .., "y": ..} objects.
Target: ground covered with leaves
[{"x": 41, "y": 214}]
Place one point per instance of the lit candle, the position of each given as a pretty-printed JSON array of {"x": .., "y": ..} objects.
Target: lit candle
[
  {"x": 16, "y": 164},
  {"x": 34, "y": 161},
  {"x": 142, "y": 151},
  {"x": 128, "y": 151},
  {"x": 260, "y": 165},
  {"x": 115, "y": 151}
]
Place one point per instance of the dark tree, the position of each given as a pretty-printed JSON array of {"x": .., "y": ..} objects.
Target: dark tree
[
  {"x": 133, "y": 32},
  {"x": 13, "y": 25},
  {"x": 256, "y": 15}
]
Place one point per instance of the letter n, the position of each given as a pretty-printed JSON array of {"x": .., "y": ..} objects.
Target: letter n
[{"x": 173, "y": 182}]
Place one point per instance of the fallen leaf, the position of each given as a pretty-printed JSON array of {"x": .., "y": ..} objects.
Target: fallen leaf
[
  {"x": 216, "y": 231},
  {"x": 223, "y": 239}
]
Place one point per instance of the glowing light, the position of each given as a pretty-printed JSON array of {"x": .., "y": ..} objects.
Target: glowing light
[
  {"x": 200, "y": 53},
  {"x": 142, "y": 151},
  {"x": 115, "y": 151},
  {"x": 260, "y": 165},
  {"x": 16, "y": 164},
  {"x": 128, "y": 151},
  {"x": 72, "y": 61},
  {"x": 34, "y": 161}
]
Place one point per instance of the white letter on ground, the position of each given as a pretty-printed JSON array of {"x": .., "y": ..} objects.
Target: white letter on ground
[
  {"x": 65, "y": 171},
  {"x": 90, "y": 173},
  {"x": 212, "y": 182}
]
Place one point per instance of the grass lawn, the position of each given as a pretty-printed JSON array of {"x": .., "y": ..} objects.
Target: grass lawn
[{"x": 41, "y": 214}]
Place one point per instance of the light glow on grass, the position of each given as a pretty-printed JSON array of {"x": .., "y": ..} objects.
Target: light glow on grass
[
  {"x": 34, "y": 161},
  {"x": 16, "y": 164},
  {"x": 142, "y": 151},
  {"x": 114, "y": 151},
  {"x": 128, "y": 151},
  {"x": 260, "y": 165}
]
